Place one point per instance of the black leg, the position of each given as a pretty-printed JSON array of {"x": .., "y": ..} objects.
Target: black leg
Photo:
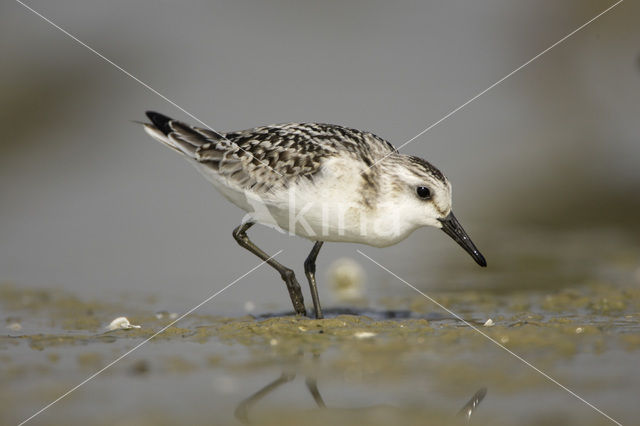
[
  {"x": 240, "y": 234},
  {"x": 310, "y": 272}
]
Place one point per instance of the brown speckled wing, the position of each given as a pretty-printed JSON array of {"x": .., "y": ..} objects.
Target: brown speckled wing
[{"x": 262, "y": 158}]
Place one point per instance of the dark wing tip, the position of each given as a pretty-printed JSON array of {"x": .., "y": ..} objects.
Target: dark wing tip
[{"x": 160, "y": 121}]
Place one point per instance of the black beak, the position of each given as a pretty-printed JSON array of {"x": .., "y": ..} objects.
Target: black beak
[{"x": 452, "y": 228}]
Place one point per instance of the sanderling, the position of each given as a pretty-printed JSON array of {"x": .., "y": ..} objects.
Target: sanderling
[{"x": 319, "y": 181}]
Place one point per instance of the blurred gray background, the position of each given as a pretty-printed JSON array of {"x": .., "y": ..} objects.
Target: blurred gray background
[{"x": 89, "y": 203}]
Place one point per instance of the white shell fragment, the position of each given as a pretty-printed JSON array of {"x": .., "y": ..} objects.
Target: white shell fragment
[
  {"x": 489, "y": 323},
  {"x": 15, "y": 326},
  {"x": 364, "y": 335},
  {"x": 121, "y": 323}
]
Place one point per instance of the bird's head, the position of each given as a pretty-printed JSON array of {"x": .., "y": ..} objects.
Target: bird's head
[{"x": 424, "y": 195}]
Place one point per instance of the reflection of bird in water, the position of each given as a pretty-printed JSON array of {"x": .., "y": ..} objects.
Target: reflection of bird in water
[
  {"x": 319, "y": 181},
  {"x": 473, "y": 403},
  {"x": 242, "y": 410}
]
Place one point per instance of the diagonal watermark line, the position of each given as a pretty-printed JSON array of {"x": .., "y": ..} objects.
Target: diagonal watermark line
[
  {"x": 148, "y": 87},
  {"x": 450, "y": 113},
  {"x": 91, "y": 377},
  {"x": 548, "y": 377}
]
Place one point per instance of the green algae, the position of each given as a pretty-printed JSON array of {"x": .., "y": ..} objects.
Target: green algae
[
  {"x": 561, "y": 323},
  {"x": 64, "y": 310}
]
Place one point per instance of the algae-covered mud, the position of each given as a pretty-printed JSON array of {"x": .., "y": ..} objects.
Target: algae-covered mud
[{"x": 402, "y": 361}]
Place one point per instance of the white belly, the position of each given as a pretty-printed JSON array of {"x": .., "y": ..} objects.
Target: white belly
[{"x": 328, "y": 209}]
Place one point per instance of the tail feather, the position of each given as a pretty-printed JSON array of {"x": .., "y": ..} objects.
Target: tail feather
[
  {"x": 160, "y": 121},
  {"x": 202, "y": 145}
]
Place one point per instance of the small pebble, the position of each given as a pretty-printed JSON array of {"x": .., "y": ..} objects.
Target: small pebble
[
  {"x": 489, "y": 323},
  {"x": 364, "y": 335},
  {"x": 121, "y": 323},
  {"x": 579, "y": 330}
]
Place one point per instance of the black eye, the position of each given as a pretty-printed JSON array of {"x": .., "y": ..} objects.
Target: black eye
[{"x": 423, "y": 192}]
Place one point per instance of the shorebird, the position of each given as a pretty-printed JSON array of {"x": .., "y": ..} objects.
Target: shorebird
[{"x": 323, "y": 182}]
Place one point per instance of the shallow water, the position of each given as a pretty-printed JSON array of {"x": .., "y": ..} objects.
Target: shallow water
[{"x": 572, "y": 311}]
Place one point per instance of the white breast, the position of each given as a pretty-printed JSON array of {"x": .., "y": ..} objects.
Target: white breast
[{"x": 329, "y": 208}]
